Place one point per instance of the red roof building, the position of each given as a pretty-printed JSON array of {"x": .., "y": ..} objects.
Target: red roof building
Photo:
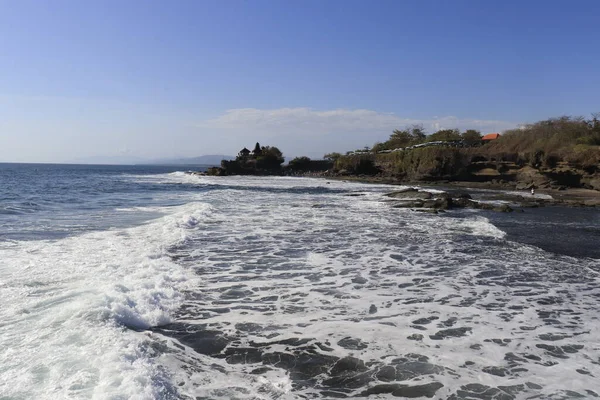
[{"x": 491, "y": 136}]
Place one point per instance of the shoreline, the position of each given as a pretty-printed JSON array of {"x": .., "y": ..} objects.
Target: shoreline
[
  {"x": 566, "y": 196},
  {"x": 569, "y": 197}
]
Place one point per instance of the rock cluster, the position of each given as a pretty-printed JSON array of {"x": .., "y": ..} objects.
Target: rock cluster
[{"x": 425, "y": 201}]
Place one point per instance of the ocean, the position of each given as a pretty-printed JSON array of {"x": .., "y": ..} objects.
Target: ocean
[{"x": 140, "y": 282}]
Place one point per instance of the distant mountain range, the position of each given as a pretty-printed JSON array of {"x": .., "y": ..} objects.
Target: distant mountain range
[{"x": 211, "y": 159}]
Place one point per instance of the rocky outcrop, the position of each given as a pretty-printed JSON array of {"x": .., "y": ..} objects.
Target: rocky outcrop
[
  {"x": 410, "y": 193},
  {"x": 435, "y": 165},
  {"x": 592, "y": 182},
  {"x": 422, "y": 200}
]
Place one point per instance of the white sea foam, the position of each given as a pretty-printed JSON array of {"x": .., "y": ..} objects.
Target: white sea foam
[
  {"x": 322, "y": 259},
  {"x": 528, "y": 194},
  {"x": 478, "y": 226},
  {"x": 278, "y": 260},
  {"x": 69, "y": 307}
]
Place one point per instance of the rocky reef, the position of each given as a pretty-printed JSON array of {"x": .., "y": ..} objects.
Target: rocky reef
[{"x": 435, "y": 201}]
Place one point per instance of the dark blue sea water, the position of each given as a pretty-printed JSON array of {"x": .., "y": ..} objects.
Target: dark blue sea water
[
  {"x": 45, "y": 201},
  {"x": 143, "y": 282}
]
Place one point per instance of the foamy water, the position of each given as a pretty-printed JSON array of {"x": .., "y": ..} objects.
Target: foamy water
[{"x": 288, "y": 288}]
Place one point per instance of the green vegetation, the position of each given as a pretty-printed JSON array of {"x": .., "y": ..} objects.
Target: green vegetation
[
  {"x": 305, "y": 164},
  {"x": 555, "y": 148},
  {"x": 402, "y": 138},
  {"x": 445, "y": 135},
  {"x": 575, "y": 140},
  {"x": 427, "y": 163},
  {"x": 332, "y": 156},
  {"x": 300, "y": 164},
  {"x": 265, "y": 160},
  {"x": 360, "y": 164}
]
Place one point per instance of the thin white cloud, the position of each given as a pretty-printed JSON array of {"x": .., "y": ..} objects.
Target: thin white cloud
[
  {"x": 305, "y": 131},
  {"x": 284, "y": 121}
]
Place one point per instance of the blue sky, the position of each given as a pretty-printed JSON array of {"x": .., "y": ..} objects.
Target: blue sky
[{"x": 152, "y": 79}]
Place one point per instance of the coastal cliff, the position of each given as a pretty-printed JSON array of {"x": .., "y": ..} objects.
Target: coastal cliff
[
  {"x": 430, "y": 166},
  {"x": 556, "y": 153}
]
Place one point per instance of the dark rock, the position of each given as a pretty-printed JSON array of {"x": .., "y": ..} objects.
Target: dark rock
[
  {"x": 331, "y": 394},
  {"x": 386, "y": 374},
  {"x": 454, "y": 332},
  {"x": 532, "y": 357},
  {"x": 498, "y": 371},
  {"x": 479, "y": 391},
  {"x": 572, "y": 348},
  {"x": 449, "y": 322},
  {"x": 348, "y": 365},
  {"x": 503, "y": 208},
  {"x": 532, "y": 385},
  {"x": 583, "y": 371},
  {"x": 412, "y": 369},
  {"x": 512, "y": 357},
  {"x": 514, "y": 389},
  {"x": 260, "y": 370},
  {"x": 572, "y": 393},
  {"x": 380, "y": 389},
  {"x": 426, "y": 390},
  {"x": 439, "y": 203},
  {"x": 524, "y": 185},
  {"x": 408, "y": 204},
  {"x": 372, "y": 309},
  {"x": 323, "y": 347},
  {"x": 239, "y": 355},
  {"x": 410, "y": 193},
  {"x": 350, "y": 381},
  {"x": 553, "y": 336},
  {"x": 427, "y": 210},
  {"x": 594, "y": 183},
  {"x": 424, "y": 321},
  {"x": 463, "y": 202},
  {"x": 359, "y": 280},
  {"x": 201, "y": 340},
  {"x": 352, "y": 344},
  {"x": 415, "y": 336},
  {"x": 235, "y": 294},
  {"x": 419, "y": 327},
  {"x": 301, "y": 365}
]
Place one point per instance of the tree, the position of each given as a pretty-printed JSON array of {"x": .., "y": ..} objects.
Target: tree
[
  {"x": 257, "y": 150},
  {"x": 270, "y": 158},
  {"x": 409, "y": 136},
  {"x": 400, "y": 138},
  {"x": 445, "y": 135},
  {"x": 471, "y": 136},
  {"x": 332, "y": 156},
  {"x": 418, "y": 133},
  {"x": 300, "y": 163}
]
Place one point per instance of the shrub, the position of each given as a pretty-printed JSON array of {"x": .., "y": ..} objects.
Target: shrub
[
  {"x": 360, "y": 164},
  {"x": 299, "y": 164}
]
